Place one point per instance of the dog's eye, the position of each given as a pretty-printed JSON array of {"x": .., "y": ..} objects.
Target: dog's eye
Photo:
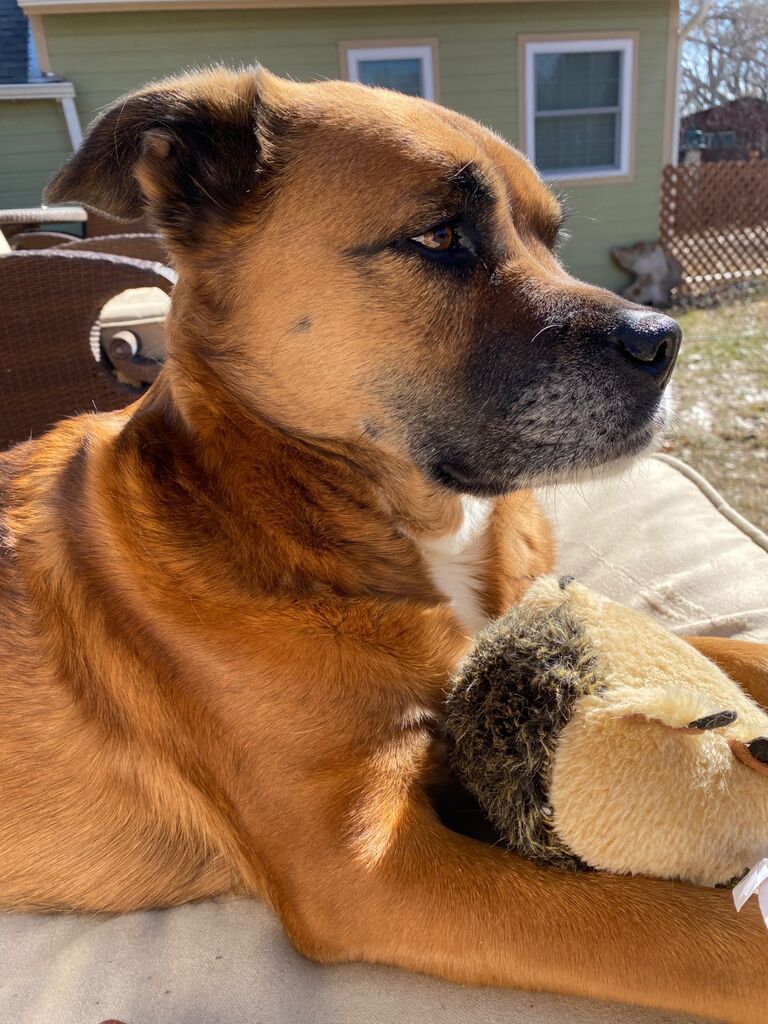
[{"x": 443, "y": 238}]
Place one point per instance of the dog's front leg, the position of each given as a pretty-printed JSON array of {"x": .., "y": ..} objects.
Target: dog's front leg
[
  {"x": 745, "y": 662},
  {"x": 436, "y": 902}
]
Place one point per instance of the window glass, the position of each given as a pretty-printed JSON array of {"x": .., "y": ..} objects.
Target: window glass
[
  {"x": 33, "y": 67},
  {"x": 400, "y": 74},
  {"x": 576, "y": 81},
  {"x": 564, "y": 143},
  {"x": 578, "y": 99}
]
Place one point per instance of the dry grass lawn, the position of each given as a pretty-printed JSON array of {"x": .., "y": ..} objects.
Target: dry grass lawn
[{"x": 722, "y": 402}]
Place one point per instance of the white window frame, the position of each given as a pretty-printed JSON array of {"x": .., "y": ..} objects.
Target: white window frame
[
  {"x": 626, "y": 45},
  {"x": 425, "y": 52}
]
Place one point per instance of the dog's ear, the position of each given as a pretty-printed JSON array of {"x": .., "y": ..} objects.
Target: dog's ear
[{"x": 186, "y": 152}]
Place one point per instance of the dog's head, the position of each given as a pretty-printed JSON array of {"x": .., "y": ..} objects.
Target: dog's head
[{"x": 360, "y": 265}]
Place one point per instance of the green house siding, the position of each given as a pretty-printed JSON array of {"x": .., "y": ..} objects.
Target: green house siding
[
  {"x": 33, "y": 142},
  {"x": 111, "y": 53}
]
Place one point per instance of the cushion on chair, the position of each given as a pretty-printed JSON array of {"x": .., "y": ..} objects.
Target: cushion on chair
[
  {"x": 659, "y": 539},
  {"x": 662, "y": 540},
  {"x": 141, "y": 311}
]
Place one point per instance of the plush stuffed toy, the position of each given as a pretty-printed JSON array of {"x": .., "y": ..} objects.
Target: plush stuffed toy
[{"x": 592, "y": 737}]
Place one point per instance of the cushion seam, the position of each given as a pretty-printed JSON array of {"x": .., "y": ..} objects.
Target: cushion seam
[{"x": 754, "y": 533}]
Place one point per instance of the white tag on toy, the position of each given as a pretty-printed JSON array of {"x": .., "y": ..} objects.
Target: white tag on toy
[{"x": 755, "y": 881}]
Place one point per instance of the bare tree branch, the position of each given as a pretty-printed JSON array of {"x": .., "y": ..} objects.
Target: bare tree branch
[{"x": 727, "y": 55}]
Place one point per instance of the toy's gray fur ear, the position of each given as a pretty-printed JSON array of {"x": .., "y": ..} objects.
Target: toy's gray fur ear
[{"x": 517, "y": 690}]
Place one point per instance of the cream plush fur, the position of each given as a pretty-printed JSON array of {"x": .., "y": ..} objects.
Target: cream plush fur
[{"x": 632, "y": 790}]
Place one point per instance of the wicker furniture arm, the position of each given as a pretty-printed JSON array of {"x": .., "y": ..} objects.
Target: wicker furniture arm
[
  {"x": 43, "y": 215},
  {"x": 137, "y": 246},
  {"x": 39, "y": 239},
  {"x": 13, "y": 222},
  {"x": 49, "y": 366}
]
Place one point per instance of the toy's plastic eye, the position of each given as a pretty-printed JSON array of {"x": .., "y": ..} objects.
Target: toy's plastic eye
[{"x": 717, "y": 720}]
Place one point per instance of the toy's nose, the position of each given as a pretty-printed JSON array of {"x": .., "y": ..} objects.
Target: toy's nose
[{"x": 648, "y": 341}]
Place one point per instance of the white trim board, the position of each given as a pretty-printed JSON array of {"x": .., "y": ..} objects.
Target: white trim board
[{"x": 42, "y": 90}]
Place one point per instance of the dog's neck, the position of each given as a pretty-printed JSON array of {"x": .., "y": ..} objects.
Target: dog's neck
[
  {"x": 457, "y": 562},
  {"x": 350, "y": 517},
  {"x": 206, "y": 396}
]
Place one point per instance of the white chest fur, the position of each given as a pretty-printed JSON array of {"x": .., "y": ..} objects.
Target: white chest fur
[{"x": 455, "y": 561}]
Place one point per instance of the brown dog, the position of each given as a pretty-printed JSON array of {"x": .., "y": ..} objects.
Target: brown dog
[{"x": 230, "y": 612}]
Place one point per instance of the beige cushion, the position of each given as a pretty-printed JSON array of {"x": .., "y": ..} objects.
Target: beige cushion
[
  {"x": 229, "y": 963},
  {"x": 662, "y": 540},
  {"x": 141, "y": 311},
  {"x": 657, "y": 540}
]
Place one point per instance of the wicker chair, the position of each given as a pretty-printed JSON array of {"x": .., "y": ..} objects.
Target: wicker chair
[
  {"x": 145, "y": 310},
  {"x": 51, "y": 364},
  {"x": 39, "y": 239},
  {"x": 137, "y": 246}
]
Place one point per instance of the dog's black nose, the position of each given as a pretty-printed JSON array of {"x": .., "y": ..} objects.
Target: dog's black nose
[{"x": 648, "y": 341}]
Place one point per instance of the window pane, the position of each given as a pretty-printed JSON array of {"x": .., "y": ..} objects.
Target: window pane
[
  {"x": 573, "y": 81},
  {"x": 577, "y": 142},
  {"x": 401, "y": 74},
  {"x": 33, "y": 67}
]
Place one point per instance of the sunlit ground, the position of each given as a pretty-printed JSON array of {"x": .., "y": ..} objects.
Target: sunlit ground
[{"x": 722, "y": 402}]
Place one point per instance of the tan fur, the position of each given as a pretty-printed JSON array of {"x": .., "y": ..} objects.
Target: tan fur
[
  {"x": 633, "y": 789},
  {"x": 222, "y": 659}
]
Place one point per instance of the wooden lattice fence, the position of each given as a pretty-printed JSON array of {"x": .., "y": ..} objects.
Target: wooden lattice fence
[{"x": 714, "y": 222}]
